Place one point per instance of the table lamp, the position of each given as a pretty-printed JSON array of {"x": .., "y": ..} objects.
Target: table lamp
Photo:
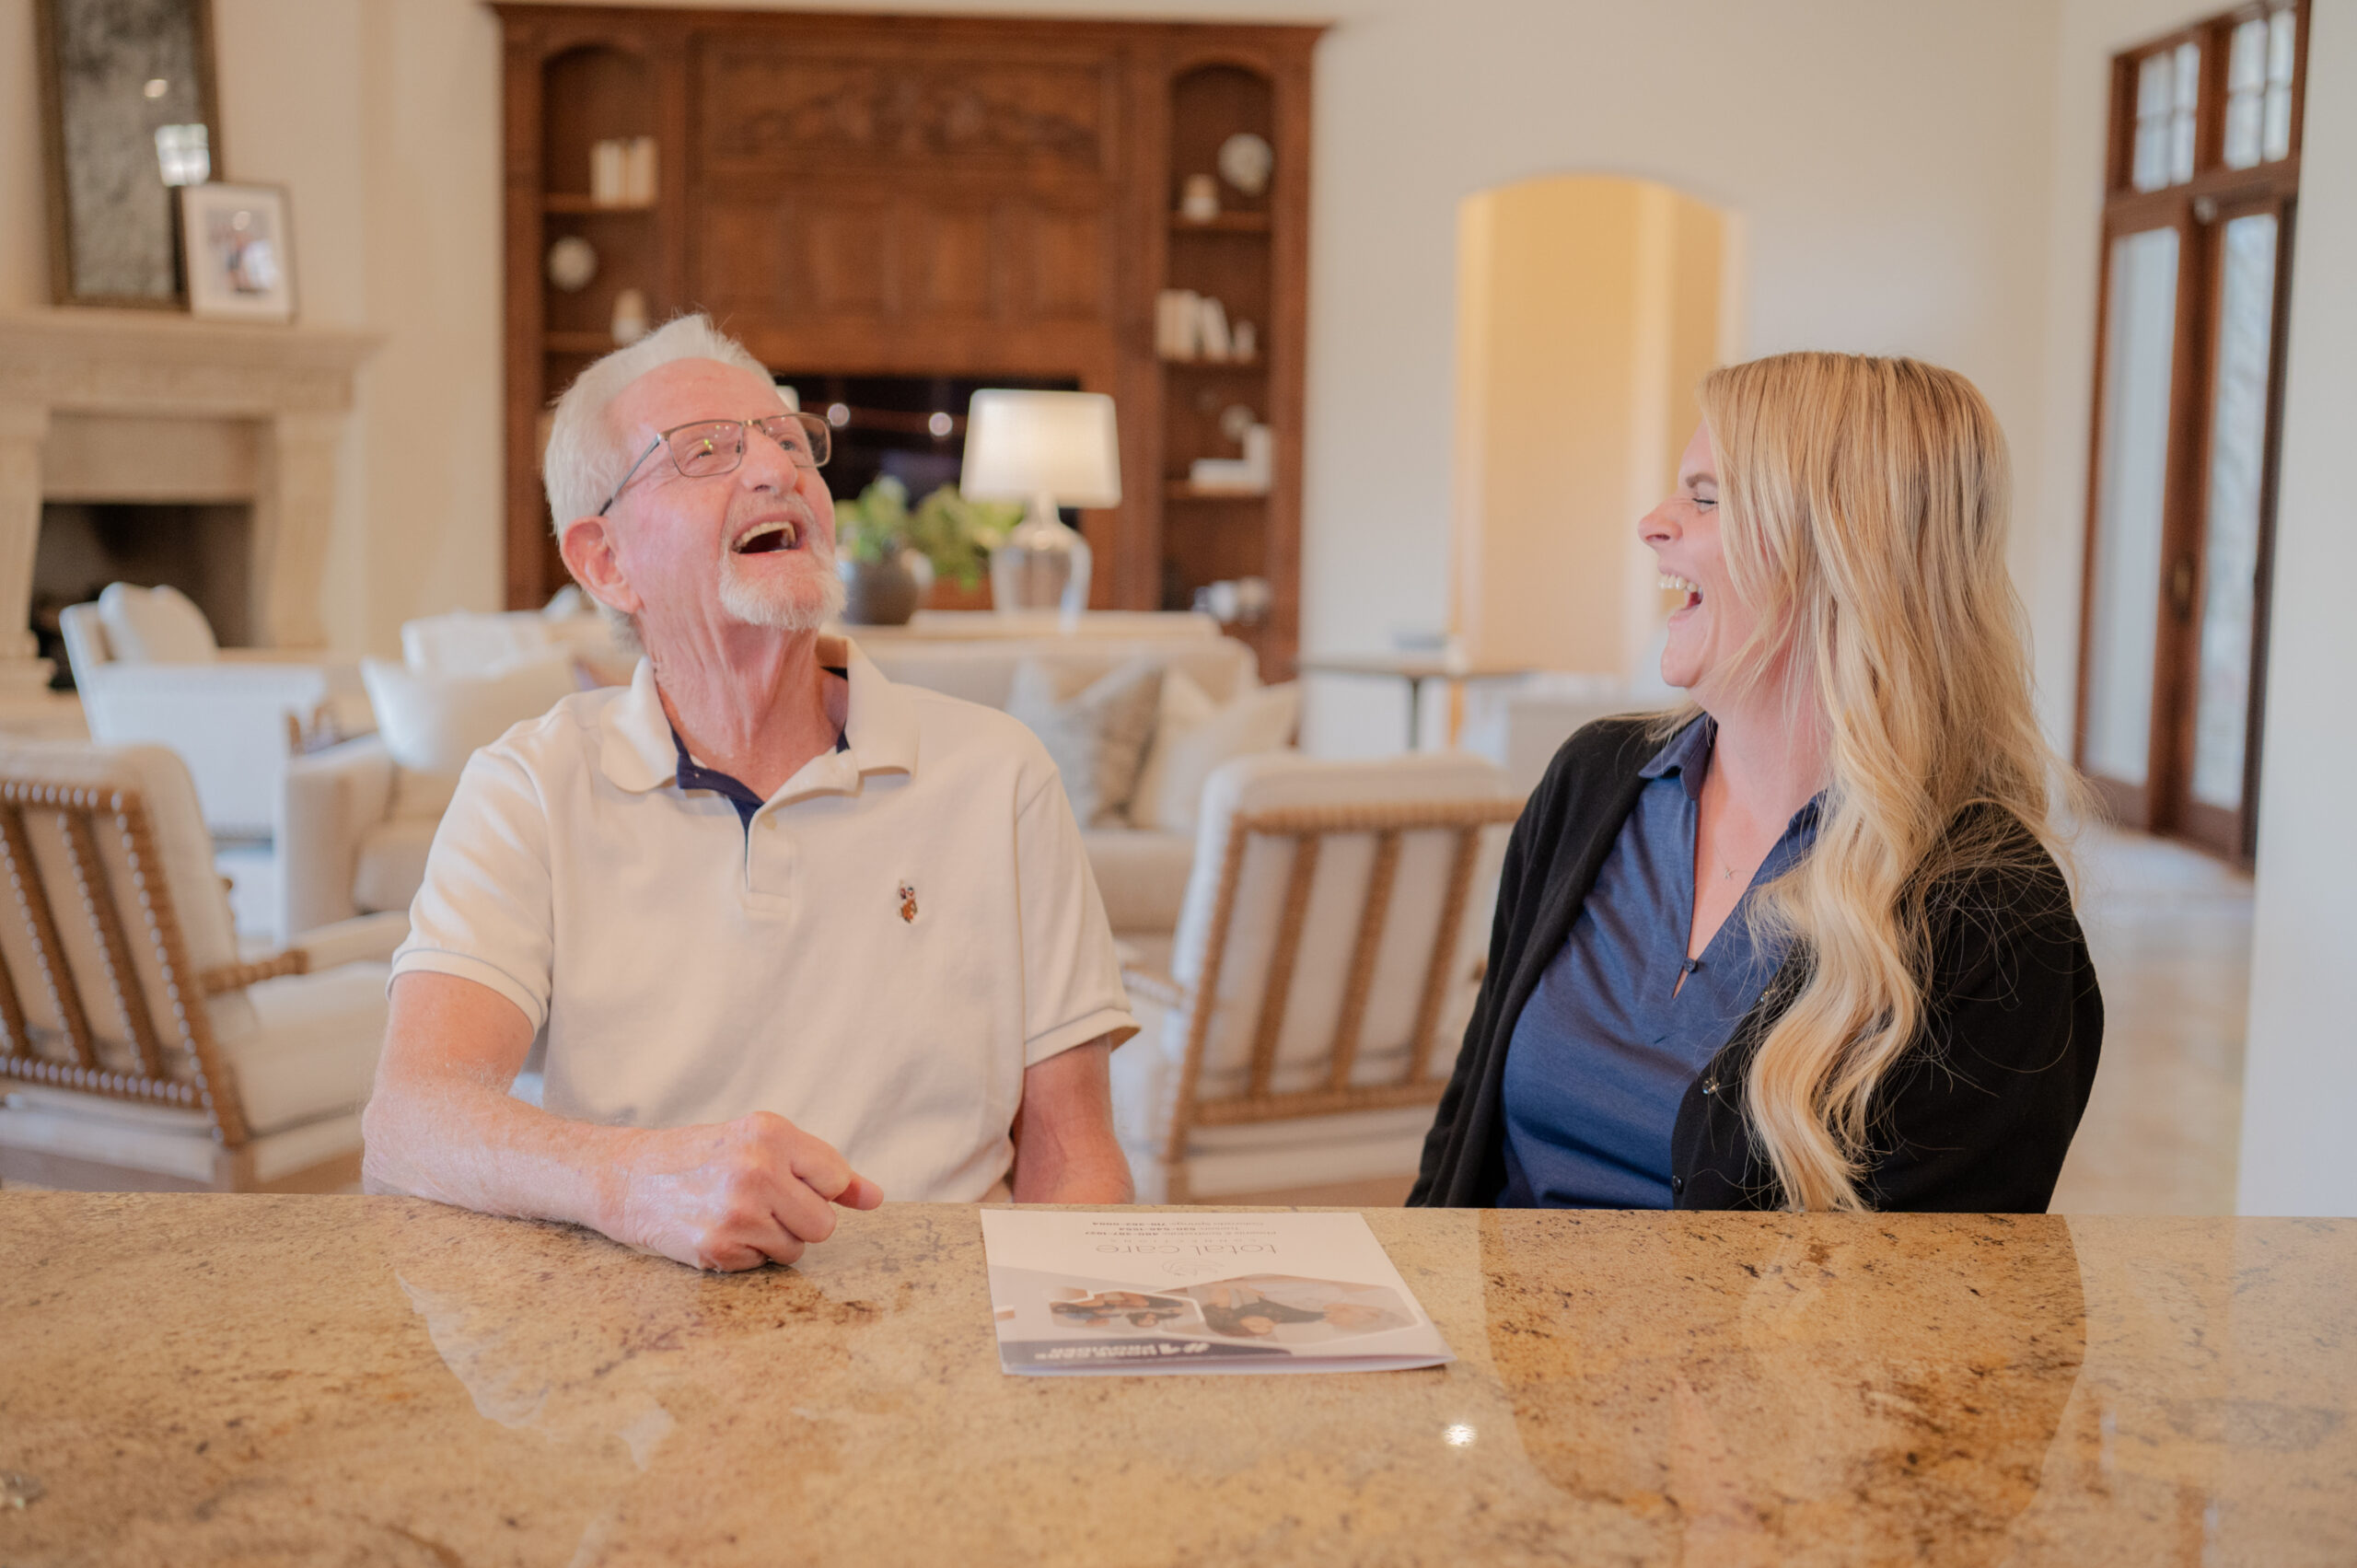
[{"x": 1046, "y": 449}]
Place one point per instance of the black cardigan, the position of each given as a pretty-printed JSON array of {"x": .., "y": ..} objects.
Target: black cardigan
[{"x": 1976, "y": 1116}]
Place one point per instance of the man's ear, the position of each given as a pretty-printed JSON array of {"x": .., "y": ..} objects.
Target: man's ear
[{"x": 588, "y": 550}]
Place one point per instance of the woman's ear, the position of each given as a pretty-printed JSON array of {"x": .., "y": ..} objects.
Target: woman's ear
[{"x": 588, "y": 550}]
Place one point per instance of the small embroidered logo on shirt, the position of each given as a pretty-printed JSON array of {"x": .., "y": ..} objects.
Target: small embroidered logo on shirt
[{"x": 908, "y": 903}]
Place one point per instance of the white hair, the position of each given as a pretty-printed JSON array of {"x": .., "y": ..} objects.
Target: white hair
[{"x": 586, "y": 459}]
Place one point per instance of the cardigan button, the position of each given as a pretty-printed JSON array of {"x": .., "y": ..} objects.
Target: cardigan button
[{"x": 1676, "y": 1185}]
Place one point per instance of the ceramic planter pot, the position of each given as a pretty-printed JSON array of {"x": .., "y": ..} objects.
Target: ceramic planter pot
[{"x": 880, "y": 595}]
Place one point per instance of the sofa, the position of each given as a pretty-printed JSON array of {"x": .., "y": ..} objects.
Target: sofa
[{"x": 354, "y": 833}]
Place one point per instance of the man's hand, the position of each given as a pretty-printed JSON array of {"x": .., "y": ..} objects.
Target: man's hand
[{"x": 734, "y": 1195}]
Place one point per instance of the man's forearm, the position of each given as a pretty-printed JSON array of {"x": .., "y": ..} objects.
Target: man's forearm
[
  {"x": 443, "y": 1125},
  {"x": 473, "y": 1144}
]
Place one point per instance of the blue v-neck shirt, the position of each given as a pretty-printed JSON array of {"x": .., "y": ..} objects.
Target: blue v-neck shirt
[{"x": 1605, "y": 1048}]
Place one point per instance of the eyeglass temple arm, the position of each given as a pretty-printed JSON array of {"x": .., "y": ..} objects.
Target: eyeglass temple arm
[{"x": 617, "y": 495}]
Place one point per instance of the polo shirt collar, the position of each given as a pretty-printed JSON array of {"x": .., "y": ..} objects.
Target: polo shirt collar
[
  {"x": 1688, "y": 755},
  {"x": 636, "y": 750}
]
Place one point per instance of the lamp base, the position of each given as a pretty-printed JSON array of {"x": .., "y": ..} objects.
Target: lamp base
[{"x": 1042, "y": 564}]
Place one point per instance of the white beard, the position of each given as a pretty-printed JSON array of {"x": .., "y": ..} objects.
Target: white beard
[{"x": 785, "y": 607}]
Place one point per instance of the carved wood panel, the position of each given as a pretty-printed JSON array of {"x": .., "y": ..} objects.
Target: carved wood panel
[{"x": 776, "y": 106}]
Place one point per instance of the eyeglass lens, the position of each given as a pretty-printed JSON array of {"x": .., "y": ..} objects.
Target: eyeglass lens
[{"x": 717, "y": 447}]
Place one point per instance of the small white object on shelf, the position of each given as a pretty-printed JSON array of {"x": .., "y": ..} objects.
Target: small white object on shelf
[
  {"x": 630, "y": 316},
  {"x": 1198, "y": 203},
  {"x": 1211, "y": 331},
  {"x": 1243, "y": 340},
  {"x": 1251, "y": 474},
  {"x": 638, "y": 171},
  {"x": 609, "y": 172},
  {"x": 572, "y": 263},
  {"x": 1246, "y": 161},
  {"x": 1178, "y": 318}
]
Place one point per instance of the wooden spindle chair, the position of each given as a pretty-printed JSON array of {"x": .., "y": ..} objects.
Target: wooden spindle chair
[
  {"x": 108, "y": 997},
  {"x": 1422, "y": 934}
]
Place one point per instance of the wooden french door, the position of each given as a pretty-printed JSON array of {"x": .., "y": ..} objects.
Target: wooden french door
[{"x": 2189, "y": 401}]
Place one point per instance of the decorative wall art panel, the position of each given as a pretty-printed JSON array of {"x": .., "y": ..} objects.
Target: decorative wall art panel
[
  {"x": 778, "y": 104},
  {"x": 128, "y": 117}
]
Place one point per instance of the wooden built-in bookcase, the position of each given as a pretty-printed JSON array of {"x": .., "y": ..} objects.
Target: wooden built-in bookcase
[{"x": 955, "y": 197}]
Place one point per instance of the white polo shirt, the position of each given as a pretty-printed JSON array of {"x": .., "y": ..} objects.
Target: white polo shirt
[{"x": 906, "y": 925}]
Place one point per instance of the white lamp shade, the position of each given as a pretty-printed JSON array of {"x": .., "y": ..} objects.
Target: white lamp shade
[{"x": 1021, "y": 445}]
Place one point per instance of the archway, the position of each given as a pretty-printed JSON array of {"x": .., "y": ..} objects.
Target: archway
[{"x": 1588, "y": 307}]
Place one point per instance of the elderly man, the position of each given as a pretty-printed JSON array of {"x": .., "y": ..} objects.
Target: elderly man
[{"x": 787, "y": 934}]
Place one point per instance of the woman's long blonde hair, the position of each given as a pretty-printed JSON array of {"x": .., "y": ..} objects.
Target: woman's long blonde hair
[{"x": 1862, "y": 510}]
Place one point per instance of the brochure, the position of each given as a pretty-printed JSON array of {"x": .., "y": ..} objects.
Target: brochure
[{"x": 1128, "y": 1292}]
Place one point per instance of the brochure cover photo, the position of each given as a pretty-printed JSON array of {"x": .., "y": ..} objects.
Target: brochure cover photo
[{"x": 1129, "y": 1292}]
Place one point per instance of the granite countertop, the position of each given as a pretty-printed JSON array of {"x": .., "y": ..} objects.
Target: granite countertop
[{"x": 374, "y": 1380}]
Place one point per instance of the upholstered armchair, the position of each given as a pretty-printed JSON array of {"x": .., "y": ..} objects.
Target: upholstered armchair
[
  {"x": 148, "y": 672},
  {"x": 1325, "y": 960},
  {"x": 138, "y": 1050}
]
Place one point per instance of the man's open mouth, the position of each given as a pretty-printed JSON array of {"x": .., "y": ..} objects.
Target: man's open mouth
[
  {"x": 1673, "y": 583},
  {"x": 764, "y": 539}
]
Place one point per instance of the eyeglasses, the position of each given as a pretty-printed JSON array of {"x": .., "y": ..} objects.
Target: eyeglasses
[{"x": 710, "y": 446}]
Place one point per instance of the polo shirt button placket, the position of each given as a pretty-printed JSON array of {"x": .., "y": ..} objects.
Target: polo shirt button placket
[{"x": 769, "y": 857}]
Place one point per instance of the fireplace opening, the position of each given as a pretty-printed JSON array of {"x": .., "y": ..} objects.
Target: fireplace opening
[{"x": 202, "y": 549}]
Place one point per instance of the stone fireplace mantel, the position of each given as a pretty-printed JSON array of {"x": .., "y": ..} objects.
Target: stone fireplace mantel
[{"x": 136, "y": 405}]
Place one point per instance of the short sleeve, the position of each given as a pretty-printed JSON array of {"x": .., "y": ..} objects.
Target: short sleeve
[
  {"x": 1071, "y": 979},
  {"x": 484, "y": 912}
]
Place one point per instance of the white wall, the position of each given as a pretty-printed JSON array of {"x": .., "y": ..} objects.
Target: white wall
[{"x": 2300, "y": 1075}]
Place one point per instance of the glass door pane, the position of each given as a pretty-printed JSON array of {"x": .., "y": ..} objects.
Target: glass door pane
[
  {"x": 2237, "y": 468},
  {"x": 2124, "y": 602}
]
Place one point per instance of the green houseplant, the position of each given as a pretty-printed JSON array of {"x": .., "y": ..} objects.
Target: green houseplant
[{"x": 876, "y": 532}]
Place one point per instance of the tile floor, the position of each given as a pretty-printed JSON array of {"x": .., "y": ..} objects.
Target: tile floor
[{"x": 2170, "y": 931}]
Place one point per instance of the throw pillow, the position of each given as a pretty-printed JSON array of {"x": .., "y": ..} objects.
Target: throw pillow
[
  {"x": 159, "y": 625},
  {"x": 1195, "y": 736},
  {"x": 431, "y": 724},
  {"x": 1098, "y": 738}
]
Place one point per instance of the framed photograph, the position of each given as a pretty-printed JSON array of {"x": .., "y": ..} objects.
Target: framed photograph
[
  {"x": 240, "y": 256},
  {"x": 127, "y": 115}
]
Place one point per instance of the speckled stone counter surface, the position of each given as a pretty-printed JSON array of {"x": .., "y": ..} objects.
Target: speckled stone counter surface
[{"x": 371, "y": 1380}]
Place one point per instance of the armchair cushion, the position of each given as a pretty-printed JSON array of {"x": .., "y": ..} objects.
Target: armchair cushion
[
  {"x": 432, "y": 722},
  {"x": 314, "y": 1050},
  {"x": 330, "y": 800},
  {"x": 1096, "y": 735},
  {"x": 368, "y": 938},
  {"x": 157, "y": 625},
  {"x": 174, "y": 1143},
  {"x": 1141, "y": 875},
  {"x": 1193, "y": 735},
  {"x": 392, "y": 863},
  {"x": 305, "y": 1047}
]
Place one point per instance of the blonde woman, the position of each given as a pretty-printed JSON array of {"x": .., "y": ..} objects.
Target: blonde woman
[{"x": 1804, "y": 944}]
